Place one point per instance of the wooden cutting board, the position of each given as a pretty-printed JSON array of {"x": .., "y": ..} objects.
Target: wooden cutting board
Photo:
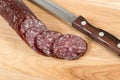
[{"x": 19, "y": 62}]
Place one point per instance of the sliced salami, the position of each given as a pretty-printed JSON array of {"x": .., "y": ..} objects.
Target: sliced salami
[
  {"x": 44, "y": 41},
  {"x": 69, "y": 47},
  {"x": 30, "y": 35},
  {"x": 37, "y": 36}
]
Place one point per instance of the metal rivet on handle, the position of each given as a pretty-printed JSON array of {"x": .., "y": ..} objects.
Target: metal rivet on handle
[
  {"x": 118, "y": 45},
  {"x": 101, "y": 34},
  {"x": 83, "y": 23}
]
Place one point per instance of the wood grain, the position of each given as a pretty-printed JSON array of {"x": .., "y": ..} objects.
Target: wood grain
[{"x": 19, "y": 62}]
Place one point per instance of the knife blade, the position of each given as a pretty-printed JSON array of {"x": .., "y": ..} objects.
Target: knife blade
[
  {"x": 56, "y": 10},
  {"x": 102, "y": 37}
]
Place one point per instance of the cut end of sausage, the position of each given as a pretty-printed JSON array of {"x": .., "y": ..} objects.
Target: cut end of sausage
[
  {"x": 69, "y": 47},
  {"x": 44, "y": 41},
  {"x": 30, "y": 22}
]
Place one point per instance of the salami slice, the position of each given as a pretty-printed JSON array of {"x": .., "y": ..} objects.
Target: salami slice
[
  {"x": 30, "y": 35},
  {"x": 44, "y": 41},
  {"x": 69, "y": 47}
]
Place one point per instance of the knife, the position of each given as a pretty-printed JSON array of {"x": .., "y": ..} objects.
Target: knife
[{"x": 102, "y": 37}]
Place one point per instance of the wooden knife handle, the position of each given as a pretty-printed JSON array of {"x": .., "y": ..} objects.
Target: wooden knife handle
[{"x": 102, "y": 37}]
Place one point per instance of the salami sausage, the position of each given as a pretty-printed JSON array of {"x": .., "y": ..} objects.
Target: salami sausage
[{"x": 37, "y": 36}]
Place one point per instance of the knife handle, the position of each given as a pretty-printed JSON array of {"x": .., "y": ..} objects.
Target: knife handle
[{"x": 100, "y": 36}]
